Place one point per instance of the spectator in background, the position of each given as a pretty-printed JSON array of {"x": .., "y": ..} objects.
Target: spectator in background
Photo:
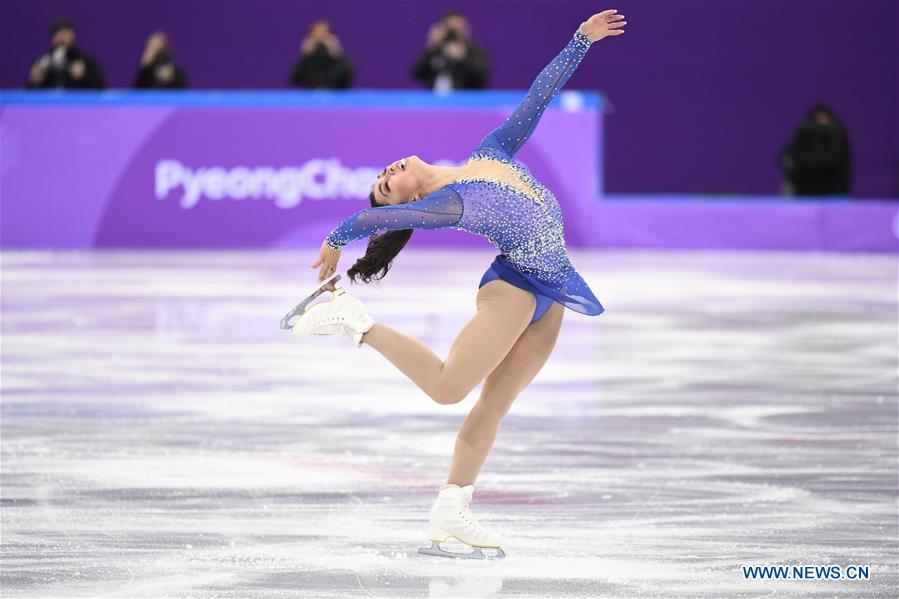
[
  {"x": 157, "y": 67},
  {"x": 818, "y": 161},
  {"x": 450, "y": 59},
  {"x": 65, "y": 65},
  {"x": 322, "y": 63}
]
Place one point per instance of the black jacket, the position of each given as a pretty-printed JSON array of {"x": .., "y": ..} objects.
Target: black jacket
[
  {"x": 150, "y": 76},
  {"x": 320, "y": 70},
  {"x": 468, "y": 73},
  {"x": 818, "y": 160},
  {"x": 57, "y": 72}
]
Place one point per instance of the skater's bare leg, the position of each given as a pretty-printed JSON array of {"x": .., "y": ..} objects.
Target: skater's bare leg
[
  {"x": 503, "y": 313},
  {"x": 502, "y": 386}
]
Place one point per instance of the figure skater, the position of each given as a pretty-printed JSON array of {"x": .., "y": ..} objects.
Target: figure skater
[{"x": 520, "y": 300}]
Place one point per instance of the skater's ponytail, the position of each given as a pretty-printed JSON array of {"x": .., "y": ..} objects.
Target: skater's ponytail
[{"x": 381, "y": 251}]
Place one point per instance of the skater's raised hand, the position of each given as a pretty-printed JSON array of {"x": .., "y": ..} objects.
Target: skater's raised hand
[
  {"x": 603, "y": 24},
  {"x": 327, "y": 259}
]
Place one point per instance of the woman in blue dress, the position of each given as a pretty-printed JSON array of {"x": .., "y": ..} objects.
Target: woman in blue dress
[{"x": 521, "y": 297}]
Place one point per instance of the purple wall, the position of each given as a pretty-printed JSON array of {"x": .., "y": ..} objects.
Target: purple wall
[{"x": 704, "y": 93}]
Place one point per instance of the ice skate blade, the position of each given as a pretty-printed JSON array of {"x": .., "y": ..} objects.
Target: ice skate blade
[
  {"x": 300, "y": 308},
  {"x": 477, "y": 553}
]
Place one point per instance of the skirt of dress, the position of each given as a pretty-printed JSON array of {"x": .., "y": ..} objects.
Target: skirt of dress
[
  {"x": 543, "y": 303},
  {"x": 572, "y": 292}
]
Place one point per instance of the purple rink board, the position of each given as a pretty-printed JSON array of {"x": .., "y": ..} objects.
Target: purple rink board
[
  {"x": 743, "y": 223},
  {"x": 232, "y": 169},
  {"x": 275, "y": 169}
]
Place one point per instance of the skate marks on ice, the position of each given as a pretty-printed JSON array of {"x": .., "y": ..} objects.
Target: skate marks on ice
[{"x": 162, "y": 437}]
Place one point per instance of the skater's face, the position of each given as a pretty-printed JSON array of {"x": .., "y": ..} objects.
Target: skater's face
[{"x": 398, "y": 182}]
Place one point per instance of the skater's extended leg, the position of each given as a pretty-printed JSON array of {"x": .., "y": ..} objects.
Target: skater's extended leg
[
  {"x": 502, "y": 386},
  {"x": 503, "y": 312}
]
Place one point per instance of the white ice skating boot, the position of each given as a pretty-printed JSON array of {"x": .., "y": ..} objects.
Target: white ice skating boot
[
  {"x": 451, "y": 519},
  {"x": 341, "y": 315}
]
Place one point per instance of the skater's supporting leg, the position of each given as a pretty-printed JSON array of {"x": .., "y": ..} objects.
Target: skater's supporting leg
[
  {"x": 503, "y": 312},
  {"x": 502, "y": 386}
]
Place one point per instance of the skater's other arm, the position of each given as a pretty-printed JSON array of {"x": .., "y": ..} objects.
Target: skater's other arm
[
  {"x": 437, "y": 210},
  {"x": 443, "y": 208},
  {"x": 512, "y": 134}
]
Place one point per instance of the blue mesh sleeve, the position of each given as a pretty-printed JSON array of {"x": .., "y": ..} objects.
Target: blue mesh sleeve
[
  {"x": 512, "y": 134},
  {"x": 442, "y": 208}
]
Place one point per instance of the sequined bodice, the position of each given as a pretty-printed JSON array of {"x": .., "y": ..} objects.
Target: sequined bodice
[
  {"x": 520, "y": 216},
  {"x": 491, "y": 166},
  {"x": 523, "y": 220}
]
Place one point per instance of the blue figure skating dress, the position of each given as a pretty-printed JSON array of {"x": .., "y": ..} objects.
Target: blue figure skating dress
[{"x": 526, "y": 227}]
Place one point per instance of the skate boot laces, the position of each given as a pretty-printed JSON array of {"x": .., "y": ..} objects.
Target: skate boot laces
[{"x": 468, "y": 517}]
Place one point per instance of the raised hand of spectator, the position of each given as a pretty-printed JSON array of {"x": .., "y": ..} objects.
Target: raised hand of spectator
[
  {"x": 154, "y": 44},
  {"x": 308, "y": 45},
  {"x": 77, "y": 69},
  {"x": 436, "y": 35},
  {"x": 455, "y": 50},
  {"x": 37, "y": 75},
  {"x": 332, "y": 43},
  {"x": 166, "y": 72}
]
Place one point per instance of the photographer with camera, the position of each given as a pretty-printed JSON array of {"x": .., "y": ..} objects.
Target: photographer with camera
[
  {"x": 157, "y": 67},
  {"x": 450, "y": 59},
  {"x": 65, "y": 66},
  {"x": 817, "y": 161},
  {"x": 322, "y": 63}
]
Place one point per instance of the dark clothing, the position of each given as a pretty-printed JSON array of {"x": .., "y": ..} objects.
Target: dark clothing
[
  {"x": 818, "y": 160},
  {"x": 319, "y": 70},
  {"x": 468, "y": 73},
  {"x": 57, "y": 64},
  {"x": 154, "y": 76}
]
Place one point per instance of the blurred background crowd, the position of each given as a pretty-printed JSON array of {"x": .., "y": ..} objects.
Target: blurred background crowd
[
  {"x": 708, "y": 107},
  {"x": 450, "y": 60},
  {"x": 816, "y": 160}
]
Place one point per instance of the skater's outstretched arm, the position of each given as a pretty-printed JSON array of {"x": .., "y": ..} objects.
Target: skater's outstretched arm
[
  {"x": 512, "y": 134},
  {"x": 442, "y": 208}
]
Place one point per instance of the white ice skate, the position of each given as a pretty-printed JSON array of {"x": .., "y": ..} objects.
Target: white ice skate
[
  {"x": 329, "y": 284},
  {"x": 341, "y": 315},
  {"x": 451, "y": 519}
]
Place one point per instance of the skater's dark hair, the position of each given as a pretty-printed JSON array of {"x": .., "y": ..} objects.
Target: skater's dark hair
[{"x": 381, "y": 251}]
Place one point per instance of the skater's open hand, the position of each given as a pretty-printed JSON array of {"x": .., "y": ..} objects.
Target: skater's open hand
[
  {"x": 603, "y": 24},
  {"x": 327, "y": 259}
]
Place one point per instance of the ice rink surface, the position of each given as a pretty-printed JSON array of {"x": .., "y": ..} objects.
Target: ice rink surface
[{"x": 161, "y": 437}]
